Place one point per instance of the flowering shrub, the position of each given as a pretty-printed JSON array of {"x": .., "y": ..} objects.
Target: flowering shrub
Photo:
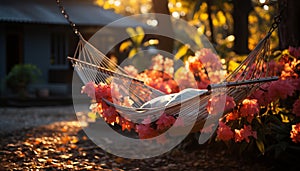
[{"x": 268, "y": 118}]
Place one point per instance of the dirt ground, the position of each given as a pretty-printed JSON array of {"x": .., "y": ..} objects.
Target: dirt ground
[{"x": 51, "y": 138}]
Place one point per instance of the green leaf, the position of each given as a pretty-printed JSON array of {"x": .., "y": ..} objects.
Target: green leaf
[
  {"x": 140, "y": 35},
  {"x": 132, "y": 53},
  {"x": 260, "y": 145},
  {"x": 125, "y": 45},
  {"x": 198, "y": 41},
  {"x": 284, "y": 118},
  {"x": 131, "y": 32},
  {"x": 259, "y": 121},
  {"x": 182, "y": 51},
  {"x": 232, "y": 65},
  {"x": 92, "y": 116}
]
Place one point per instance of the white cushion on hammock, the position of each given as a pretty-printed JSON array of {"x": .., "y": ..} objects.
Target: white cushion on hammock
[{"x": 165, "y": 100}]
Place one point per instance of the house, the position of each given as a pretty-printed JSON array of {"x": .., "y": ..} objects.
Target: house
[{"x": 35, "y": 32}]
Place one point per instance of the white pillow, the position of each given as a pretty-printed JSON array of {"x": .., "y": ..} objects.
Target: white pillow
[{"x": 172, "y": 98}]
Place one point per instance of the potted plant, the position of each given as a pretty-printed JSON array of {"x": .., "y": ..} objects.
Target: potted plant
[{"x": 21, "y": 76}]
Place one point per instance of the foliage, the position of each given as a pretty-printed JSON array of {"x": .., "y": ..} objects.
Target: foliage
[
  {"x": 21, "y": 76},
  {"x": 196, "y": 13},
  {"x": 271, "y": 114},
  {"x": 136, "y": 42},
  {"x": 128, "y": 7}
]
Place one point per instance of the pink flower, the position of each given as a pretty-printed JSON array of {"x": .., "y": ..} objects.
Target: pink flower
[
  {"x": 244, "y": 134},
  {"x": 110, "y": 115},
  {"x": 274, "y": 68},
  {"x": 229, "y": 104},
  {"x": 159, "y": 80},
  {"x": 232, "y": 116},
  {"x": 103, "y": 91},
  {"x": 220, "y": 104},
  {"x": 210, "y": 60},
  {"x": 131, "y": 70},
  {"x": 126, "y": 124},
  {"x": 165, "y": 121},
  {"x": 288, "y": 70},
  {"x": 115, "y": 93},
  {"x": 224, "y": 132},
  {"x": 281, "y": 89},
  {"x": 296, "y": 107},
  {"x": 96, "y": 108},
  {"x": 295, "y": 133},
  {"x": 216, "y": 105},
  {"x": 145, "y": 131},
  {"x": 89, "y": 89},
  {"x": 168, "y": 66},
  {"x": 249, "y": 109},
  {"x": 262, "y": 95},
  {"x": 157, "y": 63},
  {"x": 185, "y": 79},
  {"x": 194, "y": 64},
  {"x": 206, "y": 67}
]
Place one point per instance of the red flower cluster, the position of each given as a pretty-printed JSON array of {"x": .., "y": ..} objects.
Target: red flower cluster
[
  {"x": 165, "y": 121},
  {"x": 111, "y": 116},
  {"x": 146, "y": 131},
  {"x": 159, "y": 80},
  {"x": 244, "y": 134},
  {"x": 220, "y": 104},
  {"x": 249, "y": 109},
  {"x": 288, "y": 83},
  {"x": 271, "y": 92},
  {"x": 225, "y": 133},
  {"x": 295, "y": 133},
  {"x": 267, "y": 99}
]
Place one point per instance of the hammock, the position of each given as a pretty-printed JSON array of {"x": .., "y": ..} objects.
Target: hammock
[{"x": 92, "y": 65}]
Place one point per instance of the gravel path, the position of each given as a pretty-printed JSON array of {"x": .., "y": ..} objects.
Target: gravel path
[{"x": 12, "y": 119}]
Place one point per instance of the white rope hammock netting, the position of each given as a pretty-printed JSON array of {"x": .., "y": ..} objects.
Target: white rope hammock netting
[{"x": 96, "y": 72}]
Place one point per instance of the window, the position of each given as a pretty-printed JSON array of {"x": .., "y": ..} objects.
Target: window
[
  {"x": 59, "y": 49},
  {"x": 14, "y": 46}
]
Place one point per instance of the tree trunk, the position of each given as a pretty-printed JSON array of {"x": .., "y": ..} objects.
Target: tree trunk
[
  {"x": 241, "y": 33},
  {"x": 289, "y": 28},
  {"x": 165, "y": 43},
  {"x": 211, "y": 26}
]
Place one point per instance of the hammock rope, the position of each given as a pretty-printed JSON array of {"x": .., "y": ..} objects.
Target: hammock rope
[{"x": 92, "y": 65}]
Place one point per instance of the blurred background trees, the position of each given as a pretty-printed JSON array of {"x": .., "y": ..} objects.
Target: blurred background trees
[{"x": 233, "y": 26}]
